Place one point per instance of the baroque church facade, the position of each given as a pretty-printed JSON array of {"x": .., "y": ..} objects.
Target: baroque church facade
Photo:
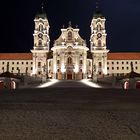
[
  {"x": 70, "y": 52},
  {"x": 70, "y": 57}
]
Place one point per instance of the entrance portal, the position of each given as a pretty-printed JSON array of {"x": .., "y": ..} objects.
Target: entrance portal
[{"x": 69, "y": 76}]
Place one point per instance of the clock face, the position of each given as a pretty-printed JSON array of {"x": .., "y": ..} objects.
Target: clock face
[
  {"x": 99, "y": 35},
  {"x": 40, "y": 35}
]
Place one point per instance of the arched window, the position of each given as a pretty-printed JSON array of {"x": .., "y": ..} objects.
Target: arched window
[
  {"x": 98, "y": 27},
  {"x": 99, "y": 43},
  {"x": 40, "y": 43},
  {"x": 69, "y": 35},
  {"x": 69, "y": 60}
]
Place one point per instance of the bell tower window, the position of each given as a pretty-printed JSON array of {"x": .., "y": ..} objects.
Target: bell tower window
[
  {"x": 40, "y": 43},
  {"x": 40, "y": 27},
  {"x": 99, "y": 43}
]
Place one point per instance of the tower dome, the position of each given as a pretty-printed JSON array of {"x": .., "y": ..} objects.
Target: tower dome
[{"x": 41, "y": 13}]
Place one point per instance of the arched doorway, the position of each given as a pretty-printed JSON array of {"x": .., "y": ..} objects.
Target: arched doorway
[
  {"x": 126, "y": 85},
  {"x": 13, "y": 85},
  {"x": 138, "y": 85},
  {"x": 69, "y": 68},
  {"x": 1, "y": 85}
]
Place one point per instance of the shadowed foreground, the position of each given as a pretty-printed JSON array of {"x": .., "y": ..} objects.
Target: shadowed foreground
[{"x": 70, "y": 114}]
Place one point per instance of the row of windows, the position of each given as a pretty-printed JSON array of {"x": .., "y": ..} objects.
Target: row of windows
[
  {"x": 17, "y": 63},
  {"x": 122, "y": 62},
  {"x": 122, "y": 68},
  {"x": 17, "y": 68}
]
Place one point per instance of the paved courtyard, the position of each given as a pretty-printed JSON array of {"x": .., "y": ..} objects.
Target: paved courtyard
[{"x": 70, "y": 110}]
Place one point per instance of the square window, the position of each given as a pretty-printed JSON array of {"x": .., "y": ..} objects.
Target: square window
[
  {"x": 112, "y": 62},
  {"x": 126, "y": 62},
  {"x": 22, "y": 63},
  {"x": 117, "y": 62},
  {"x": 31, "y": 63},
  {"x": 122, "y": 62},
  {"x": 13, "y": 63},
  {"x": 17, "y": 62}
]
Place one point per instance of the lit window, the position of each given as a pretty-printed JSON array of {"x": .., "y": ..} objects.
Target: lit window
[
  {"x": 58, "y": 61},
  {"x": 100, "y": 64},
  {"x": 100, "y": 73},
  {"x": 39, "y": 64},
  {"x": 50, "y": 63},
  {"x": 81, "y": 62},
  {"x": 89, "y": 64}
]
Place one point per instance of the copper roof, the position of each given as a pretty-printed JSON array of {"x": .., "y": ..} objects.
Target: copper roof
[
  {"x": 15, "y": 56},
  {"x": 123, "y": 56}
]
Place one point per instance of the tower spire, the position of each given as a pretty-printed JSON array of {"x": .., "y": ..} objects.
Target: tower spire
[
  {"x": 97, "y": 4},
  {"x": 98, "y": 12}
]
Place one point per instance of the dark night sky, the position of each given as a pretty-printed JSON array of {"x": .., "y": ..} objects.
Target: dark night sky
[{"x": 123, "y": 22}]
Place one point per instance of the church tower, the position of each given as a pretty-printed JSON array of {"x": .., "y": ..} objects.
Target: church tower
[
  {"x": 41, "y": 43},
  {"x": 98, "y": 44}
]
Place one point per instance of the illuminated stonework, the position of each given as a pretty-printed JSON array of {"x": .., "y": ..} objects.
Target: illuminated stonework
[
  {"x": 69, "y": 57},
  {"x": 98, "y": 45},
  {"x": 41, "y": 44}
]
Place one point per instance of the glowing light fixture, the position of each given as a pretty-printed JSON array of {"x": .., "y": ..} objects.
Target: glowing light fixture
[
  {"x": 89, "y": 83},
  {"x": 63, "y": 68},
  {"x": 47, "y": 84}
]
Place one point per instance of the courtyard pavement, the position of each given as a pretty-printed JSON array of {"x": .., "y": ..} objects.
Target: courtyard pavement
[{"x": 69, "y": 110}]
